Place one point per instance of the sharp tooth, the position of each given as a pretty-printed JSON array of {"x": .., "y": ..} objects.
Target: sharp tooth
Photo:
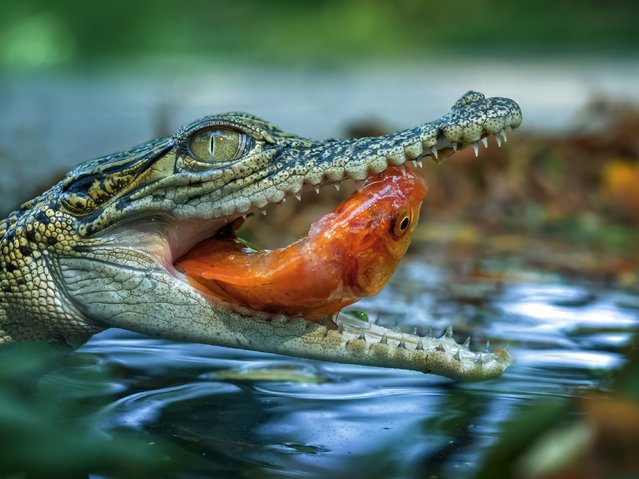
[
  {"x": 336, "y": 185},
  {"x": 384, "y": 339},
  {"x": 457, "y": 355},
  {"x": 263, "y": 212},
  {"x": 317, "y": 190},
  {"x": 284, "y": 200},
  {"x": 449, "y": 331},
  {"x": 298, "y": 196},
  {"x": 454, "y": 145},
  {"x": 503, "y": 136},
  {"x": 498, "y": 138},
  {"x": 244, "y": 216},
  {"x": 487, "y": 347},
  {"x": 419, "y": 163},
  {"x": 467, "y": 342},
  {"x": 403, "y": 169},
  {"x": 434, "y": 152},
  {"x": 476, "y": 149},
  {"x": 420, "y": 345},
  {"x": 484, "y": 140}
]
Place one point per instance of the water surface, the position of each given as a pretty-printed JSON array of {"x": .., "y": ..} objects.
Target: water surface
[{"x": 248, "y": 414}]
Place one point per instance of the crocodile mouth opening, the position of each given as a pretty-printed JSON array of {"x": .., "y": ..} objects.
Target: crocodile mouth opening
[
  {"x": 347, "y": 254},
  {"x": 219, "y": 264},
  {"x": 310, "y": 204}
]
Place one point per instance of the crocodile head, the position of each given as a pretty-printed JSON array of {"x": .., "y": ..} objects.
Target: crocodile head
[{"x": 121, "y": 222}]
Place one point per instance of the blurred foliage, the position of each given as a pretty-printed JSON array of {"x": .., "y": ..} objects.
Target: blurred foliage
[
  {"x": 587, "y": 438},
  {"x": 49, "y": 424},
  {"x": 577, "y": 195},
  {"x": 35, "y": 33}
]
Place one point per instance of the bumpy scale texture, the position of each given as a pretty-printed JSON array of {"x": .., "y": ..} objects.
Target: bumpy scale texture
[{"x": 97, "y": 249}]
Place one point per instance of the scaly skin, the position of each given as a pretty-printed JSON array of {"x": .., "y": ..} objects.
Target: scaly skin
[{"x": 97, "y": 249}]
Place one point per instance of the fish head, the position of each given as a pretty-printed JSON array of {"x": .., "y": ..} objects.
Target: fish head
[{"x": 370, "y": 232}]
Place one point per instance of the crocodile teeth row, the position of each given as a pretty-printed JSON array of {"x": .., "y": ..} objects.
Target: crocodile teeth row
[
  {"x": 362, "y": 170},
  {"x": 371, "y": 333},
  {"x": 373, "y": 337},
  {"x": 414, "y": 152},
  {"x": 351, "y": 328},
  {"x": 357, "y": 341},
  {"x": 391, "y": 348}
]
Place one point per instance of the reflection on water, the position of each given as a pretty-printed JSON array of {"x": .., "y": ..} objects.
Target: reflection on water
[{"x": 244, "y": 413}]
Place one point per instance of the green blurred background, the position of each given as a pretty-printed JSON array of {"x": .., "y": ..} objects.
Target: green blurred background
[{"x": 41, "y": 33}]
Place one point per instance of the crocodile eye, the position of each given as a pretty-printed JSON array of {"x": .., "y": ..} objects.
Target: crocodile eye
[
  {"x": 221, "y": 144},
  {"x": 402, "y": 223}
]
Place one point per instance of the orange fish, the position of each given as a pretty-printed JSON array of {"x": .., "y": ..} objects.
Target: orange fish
[{"x": 348, "y": 254}]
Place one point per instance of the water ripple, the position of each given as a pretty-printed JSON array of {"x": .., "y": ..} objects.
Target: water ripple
[{"x": 246, "y": 411}]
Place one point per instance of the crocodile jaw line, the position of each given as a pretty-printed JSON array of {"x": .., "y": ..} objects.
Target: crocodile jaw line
[
  {"x": 183, "y": 313},
  {"x": 97, "y": 249},
  {"x": 340, "y": 338}
]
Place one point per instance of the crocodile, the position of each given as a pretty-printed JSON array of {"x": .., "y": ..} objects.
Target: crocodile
[{"x": 97, "y": 250}]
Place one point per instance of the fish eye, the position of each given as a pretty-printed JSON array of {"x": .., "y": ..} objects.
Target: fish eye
[
  {"x": 402, "y": 223},
  {"x": 219, "y": 144}
]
